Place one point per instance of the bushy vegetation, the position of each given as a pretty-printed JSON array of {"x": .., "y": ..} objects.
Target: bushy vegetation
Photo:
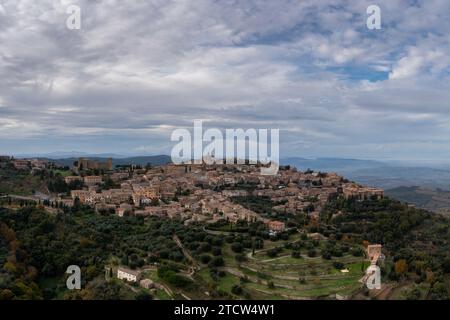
[
  {"x": 261, "y": 205},
  {"x": 18, "y": 181},
  {"x": 417, "y": 241},
  {"x": 36, "y": 246},
  {"x": 171, "y": 276}
]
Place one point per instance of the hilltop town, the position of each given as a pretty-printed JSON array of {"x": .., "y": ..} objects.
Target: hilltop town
[{"x": 200, "y": 193}]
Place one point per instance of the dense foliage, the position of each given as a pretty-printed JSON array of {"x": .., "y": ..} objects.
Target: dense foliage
[
  {"x": 418, "y": 241},
  {"x": 36, "y": 246}
]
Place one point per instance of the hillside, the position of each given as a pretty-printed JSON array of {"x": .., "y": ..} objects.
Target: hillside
[
  {"x": 436, "y": 200},
  {"x": 139, "y": 160},
  {"x": 381, "y": 174},
  {"x": 302, "y": 256},
  {"x": 37, "y": 247},
  {"x": 17, "y": 182},
  {"x": 332, "y": 164}
]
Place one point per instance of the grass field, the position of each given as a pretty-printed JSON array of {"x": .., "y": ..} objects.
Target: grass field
[{"x": 63, "y": 173}]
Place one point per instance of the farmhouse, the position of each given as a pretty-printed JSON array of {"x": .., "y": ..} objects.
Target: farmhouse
[{"x": 127, "y": 274}]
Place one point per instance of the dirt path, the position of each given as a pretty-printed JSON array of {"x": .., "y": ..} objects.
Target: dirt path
[
  {"x": 387, "y": 290},
  {"x": 185, "y": 251},
  {"x": 391, "y": 290}
]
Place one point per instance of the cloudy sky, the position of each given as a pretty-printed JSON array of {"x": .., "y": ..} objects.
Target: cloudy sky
[{"x": 139, "y": 69}]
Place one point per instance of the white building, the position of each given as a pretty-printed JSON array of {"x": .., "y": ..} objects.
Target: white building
[{"x": 127, "y": 274}]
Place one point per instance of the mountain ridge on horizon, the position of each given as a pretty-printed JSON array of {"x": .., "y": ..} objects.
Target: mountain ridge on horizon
[{"x": 75, "y": 154}]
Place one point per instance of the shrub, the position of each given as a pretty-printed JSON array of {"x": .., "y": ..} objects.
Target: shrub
[
  {"x": 337, "y": 252},
  {"x": 272, "y": 253},
  {"x": 244, "y": 279},
  {"x": 205, "y": 258},
  {"x": 311, "y": 253},
  {"x": 446, "y": 265},
  {"x": 357, "y": 252},
  {"x": 237, "y": 290},
  {"x": 216, "y": 251},
  {"x": 170, "y": 276},
  {"x": 229, "y": 239},
  {"x": 414, "y": 294},
  {"x": 326, "y": 254},
  {"x": 205, "y": 247},
  {"x": 338, "y": 265},
  {"x": 216, "y": 262},
  {"x": 236, "y": 247},
  {"x": 143, "y": 295}
]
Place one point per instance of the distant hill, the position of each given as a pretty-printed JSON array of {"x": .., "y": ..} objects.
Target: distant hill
[
  {"x": 386, "y": 175},
  {"x": 68, "y": 154},
  {"x": 140, "y": 160},
  {"x": 436, "y": 200},
  {"x": 332, "y": 164}
]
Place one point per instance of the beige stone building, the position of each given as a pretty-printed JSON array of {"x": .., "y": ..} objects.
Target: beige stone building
[
  {"x": 124, "y": 209},
  {"x": 21, "y": 164},
  {"x": 353, "y": 191},
  {"x": 277, "y": 226},
  {"x": 85, "y": 164},
  {"x": 374, "y": 252},
  {"x": 92, "y": 180},
  {"x": 70, "y": 179},
  {"x": 82, "y": 195},
  {"x": 147, "y": 283}
]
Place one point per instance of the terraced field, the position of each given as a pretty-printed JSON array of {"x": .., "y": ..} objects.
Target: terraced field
[{"x": 285, "y": 277}]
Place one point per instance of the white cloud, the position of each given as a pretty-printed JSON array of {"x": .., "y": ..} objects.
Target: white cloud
[
  {"x": 137, "y": 68},
  {"x": 428, "y": 58}
]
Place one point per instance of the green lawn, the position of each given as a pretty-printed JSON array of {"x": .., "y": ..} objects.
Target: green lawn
[
  {"x": 63, "y": 173},
  {"x": 227, "y": 282}
]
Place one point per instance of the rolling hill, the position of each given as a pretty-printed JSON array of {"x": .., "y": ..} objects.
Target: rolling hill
[
  {"x": 139, "y": 160},
  {"x": 436, "y": 200}
]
